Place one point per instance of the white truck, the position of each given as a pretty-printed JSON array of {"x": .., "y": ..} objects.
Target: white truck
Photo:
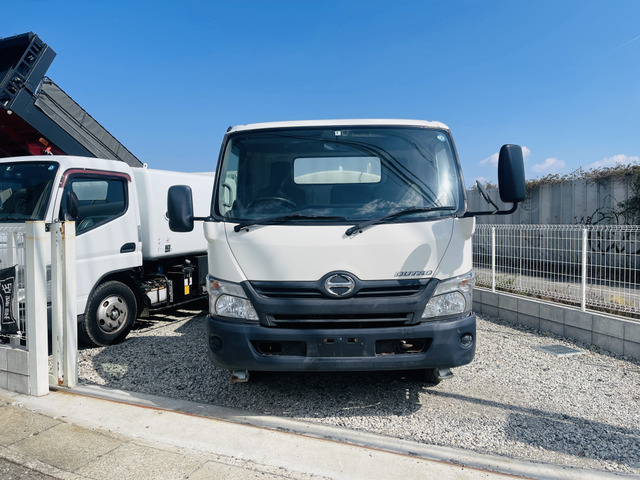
[
  {"x": 128, "y": 260},
  {"x": 341, "y": 245}
]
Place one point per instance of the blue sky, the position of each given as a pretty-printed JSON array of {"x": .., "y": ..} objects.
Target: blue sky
[{"x": 561, "y": 78}]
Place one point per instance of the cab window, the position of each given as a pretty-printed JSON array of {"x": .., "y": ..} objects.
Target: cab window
[{"x": 97, "y": 201}]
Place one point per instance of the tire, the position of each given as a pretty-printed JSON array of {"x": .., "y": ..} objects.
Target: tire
[
  {"x": 432, "y": 376},
  {"x": 110, "y": 314}
]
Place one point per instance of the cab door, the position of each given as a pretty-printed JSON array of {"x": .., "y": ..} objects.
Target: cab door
[{"x": 104, "y": 208}]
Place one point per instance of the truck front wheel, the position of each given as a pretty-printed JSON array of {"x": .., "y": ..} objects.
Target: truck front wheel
[
  {"x": 432, "y": 375},
  {"x": 111, "y": 311}
]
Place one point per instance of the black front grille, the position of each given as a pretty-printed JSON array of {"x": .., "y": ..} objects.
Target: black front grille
[
  {"x": 390, "y": 291},
  {"x": 341, "y": 321},
  {"x": 301, "y": 290},
  {"x": 281, "y": 291},
  {"x": 372, "y": 304}
]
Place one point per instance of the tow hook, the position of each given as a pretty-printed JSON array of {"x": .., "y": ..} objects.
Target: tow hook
[
  {"x": 437, "y": 374},
  {"x": 239, "y": 376}
]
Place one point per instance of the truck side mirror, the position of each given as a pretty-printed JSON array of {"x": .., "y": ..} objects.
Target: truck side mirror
[
  {"x": 180, "y": 208},
  {"x": 510, "y": 181},
  {"x": 511, "y": 174},
  {"x": 71, "y": 205}
]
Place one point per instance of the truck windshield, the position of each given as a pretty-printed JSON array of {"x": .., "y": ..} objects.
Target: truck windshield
[
  {"x": 339, "y": 175},
  {"x": 25, "y": 188}
]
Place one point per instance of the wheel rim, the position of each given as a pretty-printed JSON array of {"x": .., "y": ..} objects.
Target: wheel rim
[{"x": 112, "y": 314}]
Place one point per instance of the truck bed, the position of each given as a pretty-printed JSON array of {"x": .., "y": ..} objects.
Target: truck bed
[{"x": 38, "y": 117}]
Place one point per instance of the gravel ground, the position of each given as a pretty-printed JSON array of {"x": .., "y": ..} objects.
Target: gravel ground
[{"x": 513, "y": 399}]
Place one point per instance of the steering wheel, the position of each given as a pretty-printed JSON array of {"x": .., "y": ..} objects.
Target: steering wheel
[
  {"x": 281, "y": 200},
  {"x": 21, "y": 207}
]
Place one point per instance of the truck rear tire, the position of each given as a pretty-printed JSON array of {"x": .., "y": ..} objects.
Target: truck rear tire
[{"x": 110, "y": 314}]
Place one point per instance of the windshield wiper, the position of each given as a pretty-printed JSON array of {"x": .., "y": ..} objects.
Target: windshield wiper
[
  {"x": 283, "y": 219},
  {"x": 389, "y": 216}
]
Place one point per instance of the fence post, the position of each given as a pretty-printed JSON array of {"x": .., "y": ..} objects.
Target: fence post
[
  {"x": 584, "y": 270},
  {"x": 12, "y": 260},
  {"x": 520, "y": 255},
  {"x": 493, "y": 259},
  {"x": 63, "y": 295},
  {"x": 36, "y": 308},
  {"x": 70, "y": 372},
  {"x": 57, "y": 305}
]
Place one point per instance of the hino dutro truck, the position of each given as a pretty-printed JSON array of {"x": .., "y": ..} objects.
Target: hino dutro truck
[
  {"x": 58, "y": 163},
  {"x": 341, "y": 245}
]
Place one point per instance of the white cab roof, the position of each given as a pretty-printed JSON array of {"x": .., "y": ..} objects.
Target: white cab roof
[
  {"x": 73, "y": 161},
  {"x": 339, "y": 123}
]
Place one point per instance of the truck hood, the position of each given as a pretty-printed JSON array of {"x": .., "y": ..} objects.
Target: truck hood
[{"x": 439, "y": 249}]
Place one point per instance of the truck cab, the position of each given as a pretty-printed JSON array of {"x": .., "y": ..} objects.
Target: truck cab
[{"x": 341, "y": 245}]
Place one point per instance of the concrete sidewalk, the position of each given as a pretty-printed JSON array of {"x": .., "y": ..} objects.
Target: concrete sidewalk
[{"x": 97, "y": 433}]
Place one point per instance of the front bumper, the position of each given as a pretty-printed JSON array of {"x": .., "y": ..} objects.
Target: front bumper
[{"x": 237, "y": 346}]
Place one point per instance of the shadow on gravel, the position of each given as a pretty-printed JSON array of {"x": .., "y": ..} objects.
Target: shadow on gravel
[
  {"x": 169, "y": 315},
  {"x": 177, "y": 365},
  {"x": 564, "y": 433}
]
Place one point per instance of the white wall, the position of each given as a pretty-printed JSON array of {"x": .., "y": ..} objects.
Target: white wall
[{"x": 571, "y": 202}]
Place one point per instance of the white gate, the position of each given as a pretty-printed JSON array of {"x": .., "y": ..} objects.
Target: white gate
[{"x": 44, "y": 275}]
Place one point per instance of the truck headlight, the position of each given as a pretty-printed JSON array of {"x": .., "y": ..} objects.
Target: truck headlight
[
  {"x": 228, "y": 299},
  {"x": 451, "y": 297}
]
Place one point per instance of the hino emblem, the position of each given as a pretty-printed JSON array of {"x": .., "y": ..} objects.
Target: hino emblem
[{"x": 339, "y": 285}]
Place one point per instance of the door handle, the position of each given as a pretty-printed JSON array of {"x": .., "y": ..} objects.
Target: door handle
[{"x": 128, "y": 247}]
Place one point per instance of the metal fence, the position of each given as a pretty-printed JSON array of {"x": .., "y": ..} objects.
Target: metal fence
[
  {"x": 590, "y": 266},
  {"x": 12, "y": 254}
]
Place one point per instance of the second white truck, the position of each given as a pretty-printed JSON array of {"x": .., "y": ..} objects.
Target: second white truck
[{"x": 128, "y": 260}]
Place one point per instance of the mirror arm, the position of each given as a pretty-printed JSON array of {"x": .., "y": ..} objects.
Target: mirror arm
[{"x": 495, "y": 212}]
